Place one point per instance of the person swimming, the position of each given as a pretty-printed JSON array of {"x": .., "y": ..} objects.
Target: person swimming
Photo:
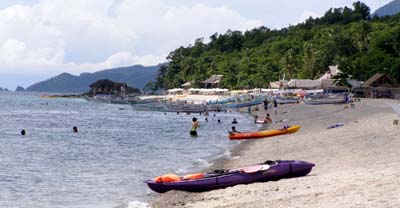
[
  {"x": 234, "y": 130},
  {"x": 195, "y": 125},
  {"x": 23, "y": 132},
  {"x": 75, "y": 129},
  {"x": 268, "y": 119},
  {"x": 206, "y": 119},
  {"x": 234, "y": 121},
  {"x": 219, "y": 121}
]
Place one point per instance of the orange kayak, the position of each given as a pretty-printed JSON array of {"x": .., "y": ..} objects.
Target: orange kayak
[{"x": 262, "y": 134}]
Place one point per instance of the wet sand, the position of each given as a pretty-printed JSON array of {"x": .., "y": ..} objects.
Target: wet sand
[{"x": 357, "y": 165}]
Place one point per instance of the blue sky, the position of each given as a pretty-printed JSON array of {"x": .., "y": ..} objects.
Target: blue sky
[{"x": 42, "y": 38}]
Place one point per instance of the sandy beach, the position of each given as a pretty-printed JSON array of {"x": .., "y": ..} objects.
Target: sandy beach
[{"x": 357, "y": 165}]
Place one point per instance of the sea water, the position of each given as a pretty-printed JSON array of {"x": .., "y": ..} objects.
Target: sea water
[{"x": 106, "y": 162}]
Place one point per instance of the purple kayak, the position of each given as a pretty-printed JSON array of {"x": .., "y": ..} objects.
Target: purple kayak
[{"x": 268, "y": 171}]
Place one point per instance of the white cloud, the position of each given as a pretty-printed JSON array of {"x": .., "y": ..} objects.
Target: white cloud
[
  {"x": 76, "y": 36},
  {"x": 307, "y": 14},
  {"x": 126, "y": 59}
]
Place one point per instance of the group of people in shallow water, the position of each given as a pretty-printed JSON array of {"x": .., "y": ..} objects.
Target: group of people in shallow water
[
  {"x": 267, "y": 119},
  {"x": 196, "y": 125}
]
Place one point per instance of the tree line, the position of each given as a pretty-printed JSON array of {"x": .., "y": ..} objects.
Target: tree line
[{"x": 360, "y": 44}]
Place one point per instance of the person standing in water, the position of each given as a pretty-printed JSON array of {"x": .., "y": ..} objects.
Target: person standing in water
[
  {"x": 266, "y": 105},
  {"x": 275, "y": 107},
  {"x": 195, "y": 125}
]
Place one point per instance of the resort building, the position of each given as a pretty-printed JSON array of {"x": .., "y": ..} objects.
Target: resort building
[
  {"x": 283, "y": 84},
  {"x": 332, "y": 72},
  {"x": 186, "y": 85},
  {"x": 212, "y": 82},
  {"x": 326, "y": 81},
  {"x": 305, "y": 84},
  {"x": 381, "y": 86}
]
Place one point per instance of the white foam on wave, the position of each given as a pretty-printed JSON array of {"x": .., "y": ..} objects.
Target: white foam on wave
[
  {"x": 203, "y": 163},
  {"x": 181, "y": 170},
  {"x": 137, "y": 204},
  {"x": 235, "y": 158},
  {"x": 228, "y": 155}
]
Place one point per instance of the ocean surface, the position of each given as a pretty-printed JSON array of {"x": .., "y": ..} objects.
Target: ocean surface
[{"x": 106, "y": 162}]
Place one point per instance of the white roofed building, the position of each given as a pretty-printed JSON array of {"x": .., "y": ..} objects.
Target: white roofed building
[
  {"x": 333, "y": 71},
  {"x": 304, "y": 84}
]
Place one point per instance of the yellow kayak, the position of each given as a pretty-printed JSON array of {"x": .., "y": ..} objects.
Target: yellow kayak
[{"x": 262, "y": 134}]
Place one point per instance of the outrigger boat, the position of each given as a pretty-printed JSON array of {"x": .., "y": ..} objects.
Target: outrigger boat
[{"x": 326, "y": 99}]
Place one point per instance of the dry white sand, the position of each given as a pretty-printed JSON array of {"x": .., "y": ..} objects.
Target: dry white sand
[{"x": 357, "y": 165}]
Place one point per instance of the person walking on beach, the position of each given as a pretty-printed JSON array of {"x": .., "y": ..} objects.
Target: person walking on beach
[
  {"x": 275, "y": 107},
  {"x": 195, "y": 125}
]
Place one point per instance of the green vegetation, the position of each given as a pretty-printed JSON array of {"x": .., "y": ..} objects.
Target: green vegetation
[
  {"x": 361, "y": 45},
  {"x": 108, "y": 87}
]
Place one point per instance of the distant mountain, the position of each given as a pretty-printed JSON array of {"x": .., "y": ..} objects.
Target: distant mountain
[
  {"x": 389, "y": 9},
  {"x": 135, "y": 76}
]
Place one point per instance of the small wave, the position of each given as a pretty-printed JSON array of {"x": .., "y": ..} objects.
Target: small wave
[
  {"x": 227, "y": 153},
  {"x": 235, "y": 157},
  {"x": 137, "y": 204},
  {"x": 181, "y": 170},
  {"x": 203, "y": 163}
]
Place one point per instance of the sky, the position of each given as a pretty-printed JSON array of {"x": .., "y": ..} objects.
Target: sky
[{"x": 42, "y": 38}]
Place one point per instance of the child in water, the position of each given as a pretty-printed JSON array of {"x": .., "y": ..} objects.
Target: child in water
[
  {"x": 195, "y": 125},
  {"x": 234, "y": 130},
  {"x": 268, "y": 119}
]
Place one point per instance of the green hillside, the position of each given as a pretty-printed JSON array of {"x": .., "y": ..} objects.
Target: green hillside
[{"x": 346, "y": 36}]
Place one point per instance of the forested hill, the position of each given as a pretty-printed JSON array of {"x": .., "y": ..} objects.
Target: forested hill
[
  {"x": 135, "y": 76},
  {"x": 346, "y": 36},
  {"x": 389, "y": 9}
]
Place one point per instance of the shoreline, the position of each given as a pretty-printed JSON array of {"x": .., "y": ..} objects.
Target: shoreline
[
  {"x": 156, "y": 200},
  {"x": 343, "y": 152},
  {"x": 235, "y": 151}
]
